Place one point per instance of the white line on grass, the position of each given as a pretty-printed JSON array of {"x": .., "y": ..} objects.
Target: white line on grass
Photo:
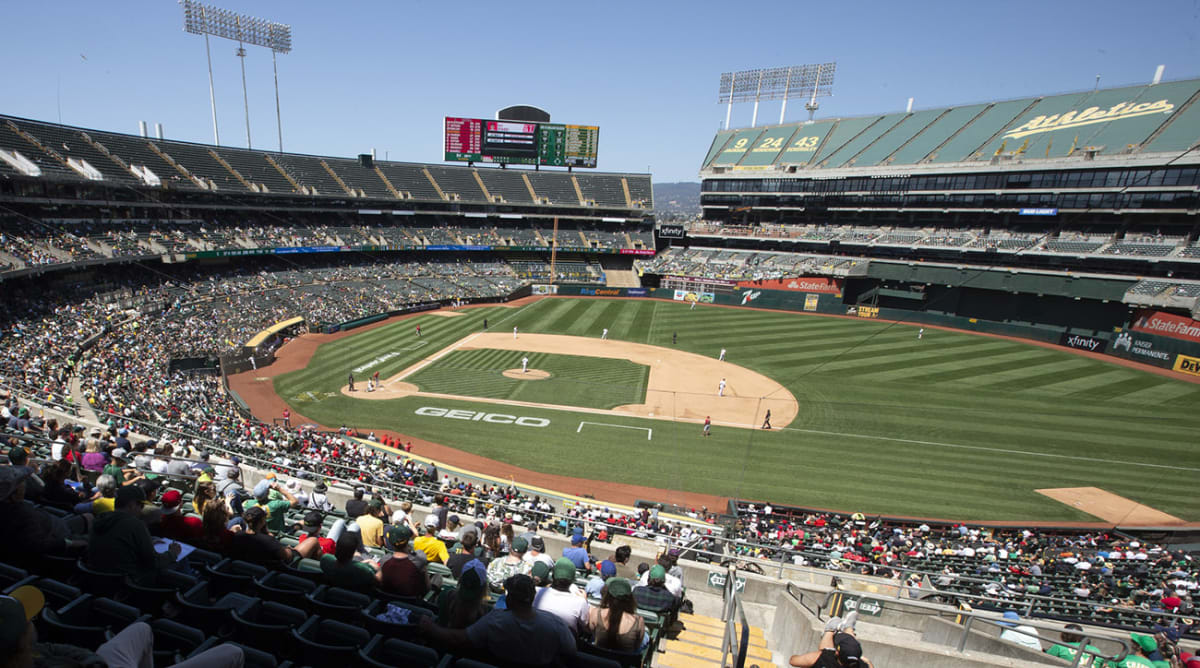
[
  {"x": 649, "y": 431},
  {"x": 987, "y": 449},
  {"x": 445, "y": 351}
]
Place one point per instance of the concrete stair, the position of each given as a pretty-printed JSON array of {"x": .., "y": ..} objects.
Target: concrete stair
[{"x": 699, "y": 645}]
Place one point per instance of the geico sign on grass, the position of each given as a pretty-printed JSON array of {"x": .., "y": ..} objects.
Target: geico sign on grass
[{"x": 472, "y": 416}]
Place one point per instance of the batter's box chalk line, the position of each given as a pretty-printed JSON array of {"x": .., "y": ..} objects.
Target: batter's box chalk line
[{"x": 649, "y": 431}]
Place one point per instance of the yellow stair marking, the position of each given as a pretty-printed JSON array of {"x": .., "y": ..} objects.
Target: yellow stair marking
[
  {"x": 684, "y": 661},
  {"x": 714, "y": 653},
  {"x": 717, "y": 624},
  {"x": 700, "y": 637}
]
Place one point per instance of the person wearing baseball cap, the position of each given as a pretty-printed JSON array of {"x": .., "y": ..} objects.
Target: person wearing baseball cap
[
  {"x": 120, "y": 542},
  {"x": 401, "y": 574},
  {"x": 510, "y": 564},
  {"x": 434, "y": 549},
  {"x": 370, "y": 523},
  {"x": 559, "y": 600},
  {"x": 654, "y": 595},
  {"x": 595, "y": 584},
  {"x": 616, "y": 622},
  {"x": 463, "y": 606},
  {"x": 838, "y": 647},
  {"x": 577, "y": 553},
  {"x": 517, "y": 634},
  {"x": 311, "y": 527},
  {"x": 174, "y": 524},
  {"x": 276, "y": 507}
]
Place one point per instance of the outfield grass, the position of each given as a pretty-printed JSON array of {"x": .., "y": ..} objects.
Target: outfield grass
[
  {"x": 590, "y": 382},
  {"x": 954, "y": 425}
]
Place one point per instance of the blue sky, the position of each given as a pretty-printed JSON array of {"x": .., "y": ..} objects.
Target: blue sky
[{"x": 382, "y": 75}]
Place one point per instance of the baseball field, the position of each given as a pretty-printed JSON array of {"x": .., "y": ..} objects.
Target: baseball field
[{"x": 865, "y": 415}]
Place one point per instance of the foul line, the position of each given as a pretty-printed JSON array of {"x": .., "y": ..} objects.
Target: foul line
[
  {"x": 987, "y": 449},
  {"x": 445, "y": 351},
  {"x": 649, "y": 431}
]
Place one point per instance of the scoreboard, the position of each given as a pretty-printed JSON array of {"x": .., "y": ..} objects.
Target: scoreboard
[{"x": 521, "y": 143}]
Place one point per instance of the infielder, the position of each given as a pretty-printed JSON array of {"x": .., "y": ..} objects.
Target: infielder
[
  {"x": 693, "y": 308},
  {"x": 722, "y": 357},
  {"x": 604, "y": 334},
  {"x": 707, "y": 424},
  {"x": 514, "y": 333},
  {"x": 524, "y": 364},
  {"x": 721, "y": 388}
]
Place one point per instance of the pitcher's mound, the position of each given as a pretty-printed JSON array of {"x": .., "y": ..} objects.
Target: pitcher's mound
[{"x": 531, "y": 374}]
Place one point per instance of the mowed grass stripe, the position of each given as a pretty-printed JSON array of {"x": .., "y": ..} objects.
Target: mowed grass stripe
[{"x": 590, "y": 382}]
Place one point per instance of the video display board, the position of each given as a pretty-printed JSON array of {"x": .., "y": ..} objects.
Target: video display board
[{"x": 520, "y": 142}]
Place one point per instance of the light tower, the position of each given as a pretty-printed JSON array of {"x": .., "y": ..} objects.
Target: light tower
[
  {"x": 776, "y": 83},
  {"x": 201, "y": 19}
]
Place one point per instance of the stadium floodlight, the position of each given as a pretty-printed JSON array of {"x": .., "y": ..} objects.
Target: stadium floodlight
[
  {"x": 201, "y": 19},
  {"x": 776, "y": 83}
]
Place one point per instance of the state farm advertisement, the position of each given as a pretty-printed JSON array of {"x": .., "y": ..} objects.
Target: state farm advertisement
[
  {"x": 818, "y": 284},
  {"x": 1167, "y": 324}
]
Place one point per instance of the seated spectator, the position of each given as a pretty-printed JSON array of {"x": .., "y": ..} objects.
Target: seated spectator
[
  {"x": 434, "y": 549},
  {"x": 401, "y": 574},
  {"x": 276, "y": 500},
  {"x": 502, "y": 568},
  {"x": 102, "y": 501},
  {"x": 1069, "y": 647},
  {"x": 133, "y": 647},
  {"x": 356, "y": 506},
  {"x": 461, "y": 607},
  {"x": 204, "y": 493},
  {"x": 595, "y": 583},
  {"x": 621, "y": 558},
  {"x": 55, "y": 490},
  {"x": 673, "y": 583},
  {"x": 230, "y": 488},
  {"x": 318, "y": 499},
  {"x": 838, "y": 647},
  {"x": 465, "y": 553},
  {"x": 370, "y": 523},
  {"x": 654, "y": 595},
  {"x": 313, "y": 523},
  {"x": 537, "y": 552},
  {"x": 1021, "y": 634},
  {"x": 256, "y": 544},
  {"x": 216, "y": 536},
  {"x": 29, "y": 532},
  {"x": 450, "y": 533},
  {"x": 616, "y": 622},
  {"x": 174, "y": 524},
  {"x": 120, "y": 542},
  {"x": 540, "y": 574},
  {"x": 517, "y": 634},
  {"x": 341, "y": 569},
  {"x": 577, "y": 553},
  {"x": 558, "y": 600}
]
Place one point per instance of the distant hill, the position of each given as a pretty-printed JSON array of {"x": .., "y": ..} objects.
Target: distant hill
[{"x": 677, "y": 200}]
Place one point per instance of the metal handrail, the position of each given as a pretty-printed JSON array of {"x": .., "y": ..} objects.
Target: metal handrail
[{"x": 733, "y": 642}]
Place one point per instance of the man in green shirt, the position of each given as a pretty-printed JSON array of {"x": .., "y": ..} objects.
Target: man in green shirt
[
  {"x": 1069, "y": 647},
  {"x": 1139, "y": 655},
  {"x": 341, "y": 570},
  {"x": 276, "y": 507}
]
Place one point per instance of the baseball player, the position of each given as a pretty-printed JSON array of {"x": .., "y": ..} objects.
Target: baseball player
[
  {"x": 707, "y": 424},
  {"x": 920, "y": 333},
  {"x": 514, "y": 333},
  {"x": 418, "y": 331},
  {"x": 722, "y": 357},
  {"x": 604, "y": 334},
  {"x": 693, "y": 308},
  {"x": 767, "y": 420},
  {"x": 375, "y": 378},
  {"x": 524, "y": 364},
  {"x": 485, "y": 323},
  {"x": 674, "y": 337},
  {"x": 721, "y": 388},
  {"x": 351, "y": 381},
  {"x": 287, "y": 419}
]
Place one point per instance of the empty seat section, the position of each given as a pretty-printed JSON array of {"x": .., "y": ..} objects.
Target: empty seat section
[
  {"x": 843, "y": 155},
  {"x": 69, "y": 143},
  {"x": 307, "y": 171},
  {"x": 253, "y": 167},
  {"x": 554, "y": 186},
  {"x": 506, "y": 183},
  {"x": 934, "y": 134},
  {"x": 894, "y": 138},
  {"x": 640, "y": 188},
  {"x": 458, "y": 180},
  {"x": 409, "y": 178},
  {"x": 361, "y": 178},
  {"x": 135, "y": 151},
  {"x": 604, "y": 188},
  {"x": 11, "y": 141},
  {"x": 196, "y": 159}
]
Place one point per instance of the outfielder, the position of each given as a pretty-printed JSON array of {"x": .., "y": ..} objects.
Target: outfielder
[
  {"x": 514, "y": 333},
  {"x": 722, "y": 357},
  {"x": 920, "y": 333},
  {"x": 604, "y": 334}
]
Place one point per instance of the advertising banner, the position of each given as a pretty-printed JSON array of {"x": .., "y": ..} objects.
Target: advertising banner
[
  {"x": 820, "y": 284},
  {"x": 1167, "y": 324},
  {"x": 692, "y": 296},
  {"x": 1187, "y": 364},
  {"x": 1088, "y": 343},
  {"x": 810, "y": 302},
  {"x": 1143, "y": 349},
  {"x": 541, "y": 289}
]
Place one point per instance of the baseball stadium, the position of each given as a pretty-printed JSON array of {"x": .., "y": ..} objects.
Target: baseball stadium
[{"x": 915, "y": 387}]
